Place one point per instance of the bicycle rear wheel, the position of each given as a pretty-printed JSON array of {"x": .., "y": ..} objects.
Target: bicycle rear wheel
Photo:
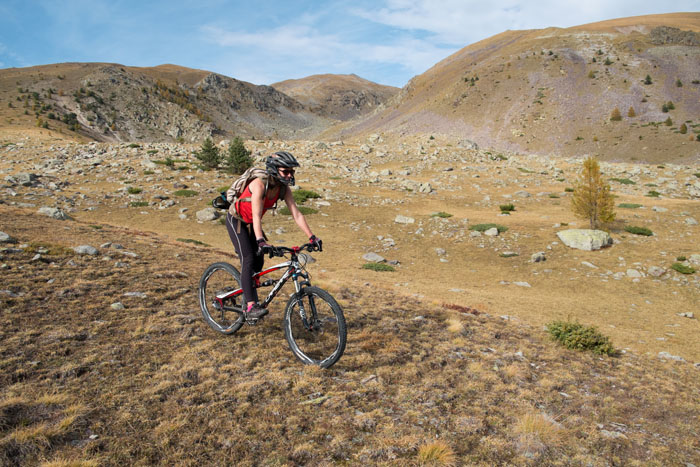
[
  {"x": 322, "y": 341},
  {"x": 226, "y": 316}
]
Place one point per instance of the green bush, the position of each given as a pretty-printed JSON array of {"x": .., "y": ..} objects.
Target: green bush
[
  {"x": 132, "y": 190},
  {"x": 304, "y": 210},
  {"x": 624, "y": 181},
  {"x": 506, "y": 208},
  {"x": 138, "y": 204},
  {"x": 148, "y": 172},
  {"x": 653, "y": 194},
  {"x": 681, "y": 258},
  {"x": 682, "y": 268},
  {"x": 441, "y": 214},
  {"x": 485, "y": 227},
  {"x": 629, "y": 205},
  {"x": 189, "y": 240},
  {"x": 569, "y": 190},
  {"x": 134, "y": 145},
  {"x": 379, "y": 267},
  {"x": 300, "y": 196},
  {"x": 638, "y": 230},
  {"x": 185, "y": 193},
  {"x": 576, "y": 336}
]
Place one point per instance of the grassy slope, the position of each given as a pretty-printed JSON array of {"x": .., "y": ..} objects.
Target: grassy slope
[{"x": 153, "y": 384}]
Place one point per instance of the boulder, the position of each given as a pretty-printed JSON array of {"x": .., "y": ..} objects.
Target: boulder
[
  {"x": 585, "y": 239},
  {"x": 54, "y": 213},
  {"x": 85, "y": 250},
  {"x": 207, "y": 214},
  {"x": 373, "y": 258},
  {"x": 468, "y": 144},
  {"x": 403, "y": 219},
  {"x": 492, "y": 232},
  {"x": 6, "y": 238}
]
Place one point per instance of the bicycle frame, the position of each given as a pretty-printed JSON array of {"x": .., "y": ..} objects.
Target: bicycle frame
[{"x": 294, "y": 270}]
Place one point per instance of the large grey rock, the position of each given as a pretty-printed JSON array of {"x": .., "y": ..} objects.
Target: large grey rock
[
  {"x": 492, "y": 232},
  {"x": 85, "y": 250},
  {"x": 207, "y": 214},
  {"x": 468, "y": 144},
  {"x": 26, "y": 179},
  {"x": 54, "y": 213},
  {"x": 585, "y": 239}
]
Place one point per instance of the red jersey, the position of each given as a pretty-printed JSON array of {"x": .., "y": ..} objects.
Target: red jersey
[{"x": 244, "y": 207}]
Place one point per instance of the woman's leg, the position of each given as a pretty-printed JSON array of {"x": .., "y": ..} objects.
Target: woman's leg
[{"x": 246, "y": 250}]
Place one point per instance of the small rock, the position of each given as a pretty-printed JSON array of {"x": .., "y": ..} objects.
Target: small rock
[
  {"x": 440, "y": 251},
  {"x": 668, "y": 356},
  {"x": 687, "y": 314},
  {"x": 135, "y": 294},
  {"x": 373, "y": 258},
  {"x": 6, "y": 238},
  {"x": 117, "y": 306},
  {"x": 522, "y": 284},
  {"x": 403, "y": 219},
  {"x": 691, "y": 221},
  {"x": 658, "y": 209},
  {"x": 365, "y": 148},
  {"x": 634, "y": 274},
  {"x": 656, "y": 271},
  {"x": 492, "y": 232},
  {"x": 590, "y": 265},
  {"x": 538, "y": 257},
  {"x": 85, "y": 250}
]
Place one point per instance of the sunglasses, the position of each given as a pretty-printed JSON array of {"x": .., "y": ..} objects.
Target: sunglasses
[{"x": 287, "y": 172}]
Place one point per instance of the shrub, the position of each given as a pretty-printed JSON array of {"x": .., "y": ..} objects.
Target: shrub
[
  {"x": 670, "y": 105},
  {"x": 209, "y": 154},
  {"x": 624, "y": 181},
  {"x": 138, "y": 204},
  {"x": 629, "y": 205},
  {"x": 379, "y": 267},
  {"x": 134, "y": 146},
  {"x": 576, "y": 336},
  {"x": 682, "y": 268},
  {"x": 639, "y": 230},
  {"x": 189, "y": 240},
  {"x": 300, "y": 196},
  {"x": 683, "y": 129},
  {"x": 664, "y": 108},
  {"x": 615, "y": 115},
  {"x": 653, "y": 194},
  {"x": 304, "y": 210},
  {"x": 437, "y": 453},
  {"x": 132, "y": 190},
  {"x": 148, "y": 172},
  {"x": 681, "y": 258},
  {"x": 647, "y": 80},
  {"x": 442, "y": 214},
  {"x": 507, "y": 208},
  {"x": 238, "y": 159},
  {"x": 185, "y": 193},
  {"x": 631, "y": 112},
  {"x": 592, "y": 199},
  {"x": 679, "y": 83},
  {"x": 485, "y": 227},
  {"x": 569, "y": 189}
]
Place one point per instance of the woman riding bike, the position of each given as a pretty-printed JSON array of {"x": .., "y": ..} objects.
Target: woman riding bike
[{"x": 244, "y": 222}]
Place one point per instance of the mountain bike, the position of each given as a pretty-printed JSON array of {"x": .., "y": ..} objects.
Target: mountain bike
[{"x": 314, "y": 324}]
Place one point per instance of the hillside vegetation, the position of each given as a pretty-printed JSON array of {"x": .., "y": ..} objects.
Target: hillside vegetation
[{"x": 105, "y": 360}]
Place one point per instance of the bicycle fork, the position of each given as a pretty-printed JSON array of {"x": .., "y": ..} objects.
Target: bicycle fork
[{"x": 300, "y": 301}]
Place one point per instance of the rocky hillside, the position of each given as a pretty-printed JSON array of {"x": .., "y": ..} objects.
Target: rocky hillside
[
  {"x": 341, "y": 97},
  {"x": 110, "y": 102},
  {"x": 624, "y": 89}
]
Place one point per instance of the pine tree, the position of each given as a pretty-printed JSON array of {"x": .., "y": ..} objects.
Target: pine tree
[
  {"x": 238, "y": 159},
  {"x": 683, "y": 129},
  {"x": 631, "y": 113},
  {"x": 209, "y": 154},
  {"x": 615, "y": 116},
  {"x": 592, "y": 199}
]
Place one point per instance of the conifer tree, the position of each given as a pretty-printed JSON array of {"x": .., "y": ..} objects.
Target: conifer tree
[
  {"x": 615, "y": 116},
  {"x": 631, "y": 113},
  {"x": 209, "y": 154},
  {"x": 592, "y": 199},
  {"x": 238, "y": 159}
]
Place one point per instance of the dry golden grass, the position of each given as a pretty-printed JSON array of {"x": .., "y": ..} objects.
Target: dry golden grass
[{"x": 152, "y": 384}]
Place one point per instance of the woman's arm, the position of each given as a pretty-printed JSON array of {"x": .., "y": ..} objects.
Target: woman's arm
[{"x": 296, "y": 214}]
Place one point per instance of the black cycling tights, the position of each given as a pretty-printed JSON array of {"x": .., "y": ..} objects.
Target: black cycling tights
[{"x": 246, "y": 246}]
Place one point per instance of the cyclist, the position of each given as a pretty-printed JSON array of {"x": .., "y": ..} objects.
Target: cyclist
[{"x": 244, "y": 222}]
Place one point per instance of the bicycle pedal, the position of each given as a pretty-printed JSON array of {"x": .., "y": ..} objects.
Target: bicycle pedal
[{"x": 253, "y": 321}]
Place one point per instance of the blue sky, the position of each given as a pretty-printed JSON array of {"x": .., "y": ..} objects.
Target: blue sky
[{"x": 386, "y": 41}]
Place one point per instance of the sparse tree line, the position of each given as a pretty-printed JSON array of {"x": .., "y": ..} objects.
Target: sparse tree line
[{"x": 236, "y": 159}]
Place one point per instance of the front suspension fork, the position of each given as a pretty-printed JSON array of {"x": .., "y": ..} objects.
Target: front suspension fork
[{"x": 300, "y": 301}]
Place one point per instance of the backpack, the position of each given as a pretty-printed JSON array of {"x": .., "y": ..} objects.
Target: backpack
[{"x": 232, "y": 196}]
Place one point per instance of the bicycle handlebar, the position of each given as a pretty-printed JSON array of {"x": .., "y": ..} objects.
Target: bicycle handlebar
[{"x": 282, "y": 250}]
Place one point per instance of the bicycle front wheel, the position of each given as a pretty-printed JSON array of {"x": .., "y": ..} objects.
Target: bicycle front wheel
[
  {"x": 321, "y": 340},
  {"x": 224, "y": 316}
]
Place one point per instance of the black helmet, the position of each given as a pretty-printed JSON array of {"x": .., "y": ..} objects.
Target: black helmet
[{"x": 281, "y": 160}]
